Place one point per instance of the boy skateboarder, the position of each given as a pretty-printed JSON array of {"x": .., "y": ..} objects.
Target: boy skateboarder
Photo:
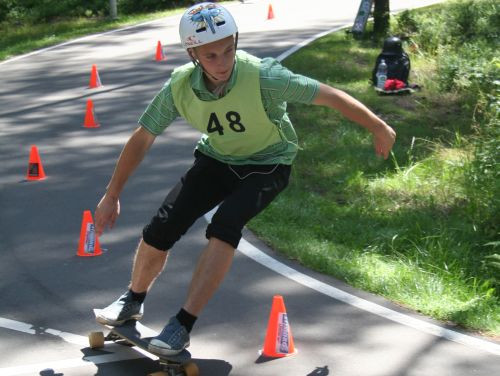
[{"x": 242, "y": 161}]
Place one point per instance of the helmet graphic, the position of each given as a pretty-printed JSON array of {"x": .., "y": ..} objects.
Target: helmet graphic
[{"x": 205, "y": 23}]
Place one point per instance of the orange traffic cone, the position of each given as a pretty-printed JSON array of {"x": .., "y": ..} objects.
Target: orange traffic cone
[
  {"x": 279, "y": 340},
  {"x": 270, "y": 13},
  {"x": 90, "y": 117},
  {"x": 95, "y": 80},
  {"x": 35, "y": 168},
  {"x": 89, "y": 242},
  {"x": 160, "y": 56}
]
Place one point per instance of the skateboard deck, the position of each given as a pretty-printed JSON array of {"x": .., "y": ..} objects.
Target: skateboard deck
[{"x": 134, "y": 333}]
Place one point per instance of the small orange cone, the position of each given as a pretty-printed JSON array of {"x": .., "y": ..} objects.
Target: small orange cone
[
  {"x": 279, "y": 340},
  {"x": 89, "y": 242},
  {"x": 35, "y": 168},
  {"x": 270, "y": 13},
  {"x": 90, "y": 117},
  {"x": 95, "y": 80},
  {"x": 160, "y": 56}
]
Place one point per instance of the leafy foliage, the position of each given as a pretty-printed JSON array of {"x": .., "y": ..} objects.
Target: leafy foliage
[{"x": 31, "y": 11}]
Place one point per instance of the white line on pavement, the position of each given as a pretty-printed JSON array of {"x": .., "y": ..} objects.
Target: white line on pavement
[
  {"x": 31, "y": 369},
  {"x": 30, "y": 329},
  {"x": 262, "y": 258},
  {"x": 257, "y": 255},
  {"x": 124, "y": 353}
]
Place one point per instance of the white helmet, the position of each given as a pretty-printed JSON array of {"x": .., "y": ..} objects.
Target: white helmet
[{"x": 205, "y": 23}]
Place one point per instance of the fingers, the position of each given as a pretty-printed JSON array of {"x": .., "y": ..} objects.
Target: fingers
[
  {"x": 99, "y": 222},
  {"x": 106, "y": 214}
]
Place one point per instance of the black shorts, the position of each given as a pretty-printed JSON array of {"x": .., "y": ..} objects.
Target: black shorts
[{"x": 241, "y": 191}]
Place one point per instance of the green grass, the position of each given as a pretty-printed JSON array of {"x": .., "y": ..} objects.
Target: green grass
[
  {"x": 399, "y": 228},
  {"x": 23, "y": 38}
]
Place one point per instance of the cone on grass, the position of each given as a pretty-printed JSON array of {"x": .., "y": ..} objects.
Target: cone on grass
[
  {"x": 90, "y": 120},
  {"x": 89, "y": 242},
  {"x": 95, "y": 80},
  {"x": 279, "y": 341},
  {"x": 35, "y": 167},
  {"x": 270, "y": 13},
  {"x": 160, "y": 56}
]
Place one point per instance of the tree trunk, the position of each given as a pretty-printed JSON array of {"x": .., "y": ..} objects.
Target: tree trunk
[
  {"x": 381, "y": 17},
  {"x": 112, "y": 9}
]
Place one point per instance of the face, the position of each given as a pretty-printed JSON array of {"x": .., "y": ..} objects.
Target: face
[{"x": 217, "y": 58}]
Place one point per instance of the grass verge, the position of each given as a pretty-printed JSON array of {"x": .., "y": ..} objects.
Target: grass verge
[
  {"x": 19, "y": 39},
  {"x": 399, "y": 228}
]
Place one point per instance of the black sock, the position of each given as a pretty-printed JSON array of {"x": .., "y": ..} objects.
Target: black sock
[
  {"x": 137, "y": 296},
  {"x": 186, "y": 319}
]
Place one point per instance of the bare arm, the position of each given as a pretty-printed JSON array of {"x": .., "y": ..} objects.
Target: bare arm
[
  {"x": 352, "y": 109},
  {"x": 131, "y": 156}
]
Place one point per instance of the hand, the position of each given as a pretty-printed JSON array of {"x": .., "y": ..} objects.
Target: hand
[
  {"x": 383, "y": 139},
  {"x": 106, "y": 213}
]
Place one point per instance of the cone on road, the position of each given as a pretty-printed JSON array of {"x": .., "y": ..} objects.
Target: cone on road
[
  {"x": 160, "y": 56},
  {"x": 35, "y": 167},
  {"x": 90, "y": 120},
  {"x": 89, "y": 242},
  {"x": 95, "y": 80},
  {"x": 270, "y": 13},
  {"x": 279, "y": 341}
]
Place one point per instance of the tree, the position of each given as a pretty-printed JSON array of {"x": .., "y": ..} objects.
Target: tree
[
  {"x": 112, "y": 9},
  {"x": 381, "y": 17}
]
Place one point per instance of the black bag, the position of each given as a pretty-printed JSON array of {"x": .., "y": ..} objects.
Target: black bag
[{"x": 398, "y": 61}]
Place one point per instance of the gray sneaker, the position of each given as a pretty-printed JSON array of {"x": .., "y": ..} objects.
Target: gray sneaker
[
  {"x": 172, "y": 340},
  {"x": 120, "y": 311}
]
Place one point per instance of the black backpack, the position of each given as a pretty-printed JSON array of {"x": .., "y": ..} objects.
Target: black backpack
[{"x": 398, "y": 61}]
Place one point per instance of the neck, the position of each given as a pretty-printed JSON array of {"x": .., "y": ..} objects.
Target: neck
[{"x": 216, "y": 87}]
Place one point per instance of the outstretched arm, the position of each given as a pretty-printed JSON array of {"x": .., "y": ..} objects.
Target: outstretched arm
[
  {"x": 383, "y": 135},
  {"x": 108, "y": 209}
]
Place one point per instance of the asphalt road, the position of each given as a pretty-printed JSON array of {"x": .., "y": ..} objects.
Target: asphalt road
[{"x": 47, "y": 293}]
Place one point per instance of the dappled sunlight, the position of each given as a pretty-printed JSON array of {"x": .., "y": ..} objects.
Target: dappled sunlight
[{"x": 438, "y": 178}]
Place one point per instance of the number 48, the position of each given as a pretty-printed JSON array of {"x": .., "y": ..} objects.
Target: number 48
[{"x": 232, "y": 117}]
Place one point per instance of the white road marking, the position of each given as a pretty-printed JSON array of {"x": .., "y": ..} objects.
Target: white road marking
[
  {"x": 262, "y": 258},
  {"x": 123, "y": 353},
  {"x": 30, "y": 329},
  {"x": 72, "y": 41},
  {"x": 305, "y": 42},
  {"x": 57, "y": 365},
  {"x": 257, "y": 255}
]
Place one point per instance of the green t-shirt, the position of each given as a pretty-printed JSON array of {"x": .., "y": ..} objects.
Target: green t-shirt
[{"x": 277, "y": 87}]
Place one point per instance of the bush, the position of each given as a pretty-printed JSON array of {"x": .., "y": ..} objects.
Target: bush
[
  {"x": 134, "y": 6},
  {"x": 483, "y": 174},
  {"x": 31, "y": 11},
  {"x": 457, "y": 22},
  {"x": 463, "y": 40}
]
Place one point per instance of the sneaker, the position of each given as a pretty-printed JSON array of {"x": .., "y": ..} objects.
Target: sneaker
[
  {"x": 172, "y": 340},
  {"x": 120, "y": 311}
]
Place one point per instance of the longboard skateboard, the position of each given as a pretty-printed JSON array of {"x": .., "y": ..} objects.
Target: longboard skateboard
[{"x": 134, "y": 333}]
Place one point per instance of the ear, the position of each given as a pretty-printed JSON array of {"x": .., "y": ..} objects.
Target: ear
[{"x": 192, "y": 53}]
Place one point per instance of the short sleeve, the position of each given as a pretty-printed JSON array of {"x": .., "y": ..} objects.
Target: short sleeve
[
  {"x": 280, "y": 84},
  {"x": 161, "y": 112}
]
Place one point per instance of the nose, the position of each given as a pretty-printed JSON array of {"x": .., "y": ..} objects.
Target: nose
[{"x": 223, "y": 61}]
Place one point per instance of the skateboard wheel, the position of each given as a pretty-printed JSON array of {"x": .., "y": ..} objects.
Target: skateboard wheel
[
  {"x": 96, "y": 340},
  {"x": 190, "y": 369}
]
